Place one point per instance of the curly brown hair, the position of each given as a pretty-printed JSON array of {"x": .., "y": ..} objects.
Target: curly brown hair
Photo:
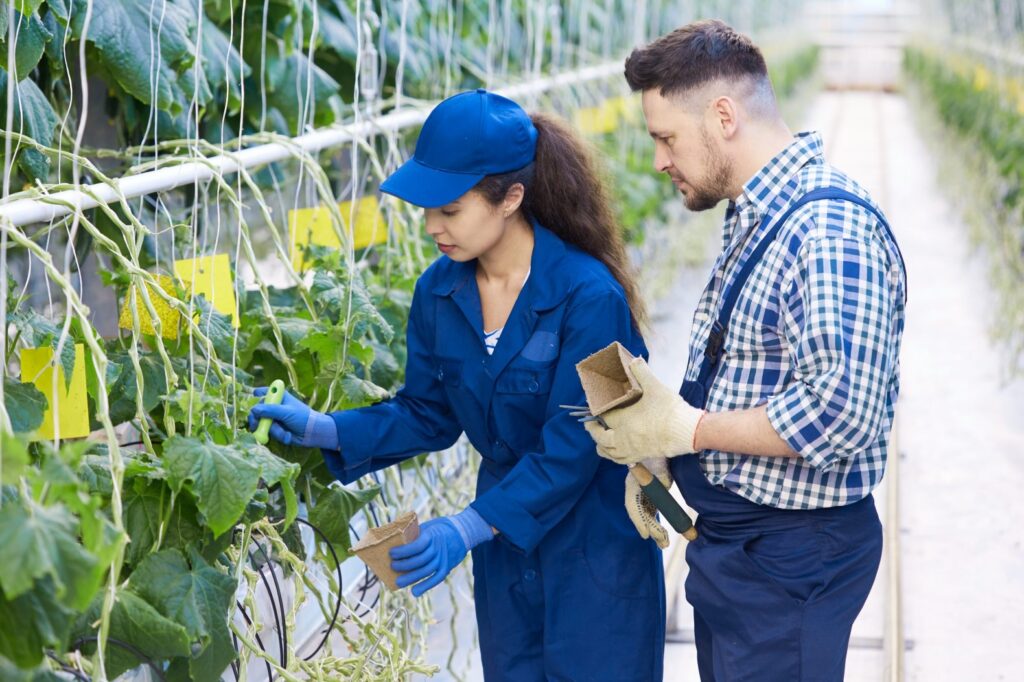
[{"x": 566, "y": 192}]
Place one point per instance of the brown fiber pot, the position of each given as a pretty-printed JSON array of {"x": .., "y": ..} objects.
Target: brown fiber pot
[
  {"x": 373, "y": 548},
  {"x": 607, "y": 380}
]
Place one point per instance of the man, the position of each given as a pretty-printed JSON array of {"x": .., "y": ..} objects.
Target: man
[{"x": 793, "y": 369}]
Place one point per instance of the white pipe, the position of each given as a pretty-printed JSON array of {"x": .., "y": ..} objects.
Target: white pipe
[{"x": 36, "y": 210}]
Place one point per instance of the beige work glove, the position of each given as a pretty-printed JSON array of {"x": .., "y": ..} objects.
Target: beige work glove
[
  {"x": 659, "y": 424},
  {"x": 640, "y": 509}
]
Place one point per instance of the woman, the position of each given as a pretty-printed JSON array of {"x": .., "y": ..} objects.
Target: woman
[{"x": 533, "y": 279}]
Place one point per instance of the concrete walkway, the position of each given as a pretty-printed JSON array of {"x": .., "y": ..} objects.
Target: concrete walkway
[{"x": 960, "y": 429}]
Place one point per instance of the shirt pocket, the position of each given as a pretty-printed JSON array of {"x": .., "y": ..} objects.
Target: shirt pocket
[
  {"x": 542, "y": 348},
  {"x": 449, "y": 372},
  {"x": 526, "y": 381}
]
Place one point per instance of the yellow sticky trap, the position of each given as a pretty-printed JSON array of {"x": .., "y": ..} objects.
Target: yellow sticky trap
[
  {"x": 211, "y": 277},
  {"x": 71, "y": 402},
  {"x": 982, "y": 78},
  {"x": 629, "y": 108},
  {"x": 169, "y": 317},
  {"x": 312, "y": 226},
  {"x": 597, "y": 120}
]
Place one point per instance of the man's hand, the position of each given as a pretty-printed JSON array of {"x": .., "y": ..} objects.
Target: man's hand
[
  {"x": 640, "y": 509},
  {"x": 659, "y": 424}
]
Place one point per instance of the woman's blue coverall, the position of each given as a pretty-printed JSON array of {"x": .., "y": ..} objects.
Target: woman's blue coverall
[{"x": 568, "y": 590}]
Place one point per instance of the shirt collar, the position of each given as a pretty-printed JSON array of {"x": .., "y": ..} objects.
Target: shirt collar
[
  {"x": 548, "y": 284},
  {"x": 760, "y": 191}
]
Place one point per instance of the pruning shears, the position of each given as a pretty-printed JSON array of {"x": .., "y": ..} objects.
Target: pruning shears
[{"x": 657, "y": 493}]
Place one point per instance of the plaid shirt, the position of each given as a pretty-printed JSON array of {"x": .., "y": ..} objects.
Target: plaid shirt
[{"x": 815, "y": 334}]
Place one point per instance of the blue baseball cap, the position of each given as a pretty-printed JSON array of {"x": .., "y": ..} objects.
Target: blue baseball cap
[{"x": 466, "y": 137}]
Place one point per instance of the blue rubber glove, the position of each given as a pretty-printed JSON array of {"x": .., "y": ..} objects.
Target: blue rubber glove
[
  {"x": 295, "y": 423},
  {"x": 441, "y": 546}
]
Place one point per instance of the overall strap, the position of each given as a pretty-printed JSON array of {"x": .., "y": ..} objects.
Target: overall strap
[{"x": 713, "y": 349}]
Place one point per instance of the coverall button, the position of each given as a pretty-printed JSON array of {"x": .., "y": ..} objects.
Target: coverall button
[
  {"x": 440, "y": 373},
  {"x": 529, "y": 575},
  {"x": 534, "y": 386}
]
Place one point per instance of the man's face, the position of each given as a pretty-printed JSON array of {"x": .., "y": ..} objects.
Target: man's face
[{"x": 685, "y": 150}]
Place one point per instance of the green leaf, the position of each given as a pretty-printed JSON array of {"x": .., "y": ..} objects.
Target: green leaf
[
  {"x": 37, "y": 331},
  {"x": 357, "y": 392},
  {"x": 217, "y": 326},
  {"x": 294, "y": 330},
  {"x": 55, "y": 47},
  {"x": 57, "y": 471},
  {"x": 198, "y": 597},
  {"x": 294, "y": 86},
  {"x": 124, "y": 33},
  {"x": 32, "y": 36},
  {"x": 223, "y": 66},
  {"x": 43, "y": 542},
  {"x": 25, "y": 404},
  {"x": 32, "y": 622},
  {"x": 13, "y": 457},
  {"x": 133, "y": 621},
  {"x": 274, "y": 471},
  {"x": 10, "y": 673},
  {"x": 220, "y": 477},
  {"x": 27, "y": 6},
  {"x": 34, "y": 117},
  {"x": 335, "y": 506},
  {"x": 145, "y": 505},
  {"x": 336, "y": 34},
  {"x": 122, "y": 392}
]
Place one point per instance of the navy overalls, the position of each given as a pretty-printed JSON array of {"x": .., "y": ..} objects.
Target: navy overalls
[
  {"x": 568, "y": 590},
  {"x": 774, "y": 592}
]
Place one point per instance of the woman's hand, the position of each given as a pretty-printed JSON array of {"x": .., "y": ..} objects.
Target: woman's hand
[
  {"x": 295, "y": 423},
  {"x": 442, "y": 545}
]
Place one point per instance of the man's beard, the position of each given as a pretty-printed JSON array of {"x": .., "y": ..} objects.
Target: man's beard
[{"x": 711, "y": 189}]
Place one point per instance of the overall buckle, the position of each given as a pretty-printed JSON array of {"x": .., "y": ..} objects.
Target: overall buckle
[{"x": 715, "y": 342}]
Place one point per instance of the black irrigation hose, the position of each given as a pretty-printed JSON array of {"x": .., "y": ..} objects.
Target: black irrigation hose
[
  {"x": 373, "y": 513},
  {"x": 362, "y": 586},
  {"x": 369, "y": 581},
  {"x": 282, "y": 630},
  {"x": 78, "y": 674},
  {"x": 143, "y": 658},
  {"x": 234, "y": 664},
  {"x": 64, "y": 667},
  {"x": 248, "y": 621},
  {"x": 132, "y": 444},
  {"x": 367, "y": 584},
  {"x": 383, "y": 497},
  {"x": 337, "y": 603}
]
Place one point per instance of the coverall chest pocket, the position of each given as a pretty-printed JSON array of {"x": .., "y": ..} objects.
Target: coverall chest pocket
[
  {"x": 527, "y": 381},
  {"x": 449, "y": 372}
]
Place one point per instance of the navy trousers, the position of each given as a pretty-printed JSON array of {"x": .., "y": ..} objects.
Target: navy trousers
[
  {"x": 588, "y": 605},
  {"x": 775, "y": 592}
]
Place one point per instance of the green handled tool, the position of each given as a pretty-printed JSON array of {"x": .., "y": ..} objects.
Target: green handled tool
[
  {"x": 657, "y": 493},
  {"x": 663, "y": 501},
  {"x": 273, "y": 397}
]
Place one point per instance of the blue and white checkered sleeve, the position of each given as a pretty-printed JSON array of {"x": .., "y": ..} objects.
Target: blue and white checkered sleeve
[{"x": 837, "y": 314}]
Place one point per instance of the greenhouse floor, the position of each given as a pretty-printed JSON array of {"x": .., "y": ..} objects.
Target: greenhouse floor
[{"x": 959, "y": 435}]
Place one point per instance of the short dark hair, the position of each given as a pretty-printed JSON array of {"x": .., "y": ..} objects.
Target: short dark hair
[{"x": 694, "y": 55}]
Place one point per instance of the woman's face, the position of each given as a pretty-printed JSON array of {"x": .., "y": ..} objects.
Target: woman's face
[{"x": 467, "y": 227}]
